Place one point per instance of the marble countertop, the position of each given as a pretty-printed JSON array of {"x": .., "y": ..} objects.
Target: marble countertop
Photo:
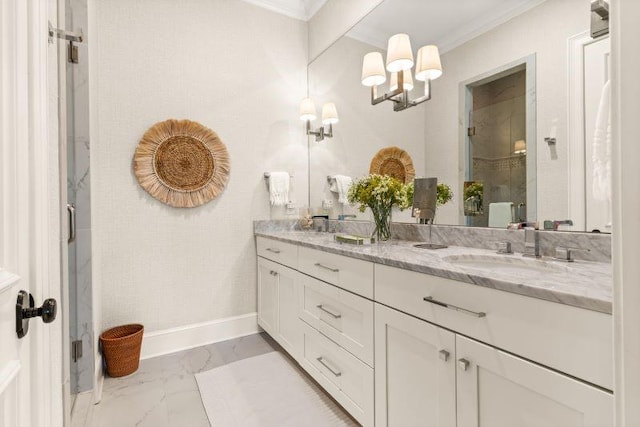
[{"x": 582, "y": 284}]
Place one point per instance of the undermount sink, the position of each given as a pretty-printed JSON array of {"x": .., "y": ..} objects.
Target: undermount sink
[{"x": 506, "y": 263}]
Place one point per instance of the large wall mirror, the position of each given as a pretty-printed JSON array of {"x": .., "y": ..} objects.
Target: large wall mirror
[{"x": 515, "y": 110}]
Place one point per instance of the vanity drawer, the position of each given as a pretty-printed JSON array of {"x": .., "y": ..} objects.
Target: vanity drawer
[
  {"x": 275, "y": 250},
  {"x": 576, "y": 341},
  {"x": 351, "y": 274},
  {"x": 346, "y": 378},
  {"x": 342, "y": 316}
]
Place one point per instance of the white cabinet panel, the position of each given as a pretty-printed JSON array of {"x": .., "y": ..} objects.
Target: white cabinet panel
[
  {"x": 267, "y": 296},
  {"x": 347, "y": 379},
  {"x": 496, "y": 389},
  {"x": 289, "y": 333},
  {"x": 351, "y": 274},
  {"x": 278, "y": 288},
  {"x": 275, "y": 250},
  {"x": 340, "y": 315},
  {"x": 414, "y": 372}
]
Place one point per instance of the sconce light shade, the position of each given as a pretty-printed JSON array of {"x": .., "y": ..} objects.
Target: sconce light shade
[
  {"x": 399, "y": 53},
  {"x": 408, "y": 81},
  {"x": 520, "y": 147},
  {"x": 329, "y": 114},
  {"x": 428, "y": 66},
  {"x": 373, "y": 73},
  {"x": 307, "y": 110}
]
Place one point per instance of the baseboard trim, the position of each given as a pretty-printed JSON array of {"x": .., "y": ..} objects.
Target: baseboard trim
[{"x": 168, "y": 341}]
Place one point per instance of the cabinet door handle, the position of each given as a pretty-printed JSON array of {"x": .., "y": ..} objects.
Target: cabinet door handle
[
  {"x": 463, "y": 364},
  {"x": 275, "y": 251},
  {"x": 335, "y": 270},
  {"x": 273, "y": 273},
  {"x": 329, "y": 312},
  {"x": 333, "y": 371},
  {"x": 453, "y": 307},
  {"x": 444, "y": 355}
]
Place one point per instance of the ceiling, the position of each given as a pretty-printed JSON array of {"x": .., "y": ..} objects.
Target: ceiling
[
  {"x": 298, "y": 9},
  {"x": 447, "y": 24}
]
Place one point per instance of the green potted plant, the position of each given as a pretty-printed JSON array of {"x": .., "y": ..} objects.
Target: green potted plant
[
  {"x": 380, "y": 193},
  {"x": 473, "y": 197}
]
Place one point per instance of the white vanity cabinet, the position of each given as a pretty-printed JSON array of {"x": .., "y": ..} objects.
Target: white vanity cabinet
[{"x": 398, "y": 348}]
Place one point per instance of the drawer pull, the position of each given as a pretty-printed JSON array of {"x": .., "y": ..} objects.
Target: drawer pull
[
  {"x": 444, "y": 355},
  {"x": 463, "y": 364},
  {"x": 323, "y": 363},
  {"x": 453, "y": 307},
  {"x": 335, "y": 270},
  {"x": 275, "y": 251},
  {"x": 329, "y": 312}
]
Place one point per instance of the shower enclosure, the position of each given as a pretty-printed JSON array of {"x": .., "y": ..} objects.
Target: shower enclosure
[
  {"x": 79, "y": 204},
  {"x": 497, "y": 150}
]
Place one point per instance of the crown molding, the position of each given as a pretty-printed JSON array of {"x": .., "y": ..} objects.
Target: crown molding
[
  {"x": 298, "y": 9},
  {"x": 456, "y": 37}
]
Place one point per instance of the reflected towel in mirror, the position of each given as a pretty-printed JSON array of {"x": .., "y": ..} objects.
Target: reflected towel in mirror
[
  {"x": 602, "y": 147},
  {"x": 500, "y": 214},
  {"x": 340, "y": 184}
]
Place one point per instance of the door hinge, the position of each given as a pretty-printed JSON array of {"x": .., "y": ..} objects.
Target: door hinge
[
  {"x": 471, "y": 131},
  {"x": 76, "y": 350}
]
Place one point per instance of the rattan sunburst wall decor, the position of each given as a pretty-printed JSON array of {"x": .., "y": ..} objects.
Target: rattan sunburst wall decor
[
  {"x": 395, "y": 162},
  {"x": 181, "y": 163}
]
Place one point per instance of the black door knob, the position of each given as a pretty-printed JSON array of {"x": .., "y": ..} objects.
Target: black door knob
[{"x": 25, "y": 310}]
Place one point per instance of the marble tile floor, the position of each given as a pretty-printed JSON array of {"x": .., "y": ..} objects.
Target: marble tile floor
[{"x": 163, "y": 392}]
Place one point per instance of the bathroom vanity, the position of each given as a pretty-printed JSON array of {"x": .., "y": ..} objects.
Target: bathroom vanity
[{"x": 402, "y": 336}]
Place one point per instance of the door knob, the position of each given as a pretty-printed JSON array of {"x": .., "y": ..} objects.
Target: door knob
[{"x": 26, "y": 309}]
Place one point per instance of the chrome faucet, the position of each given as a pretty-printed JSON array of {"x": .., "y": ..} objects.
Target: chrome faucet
[
  {"x": 531, "y": 242},
  {"x": 566, "y": 253},
  {"x": 504, "y": 248}
]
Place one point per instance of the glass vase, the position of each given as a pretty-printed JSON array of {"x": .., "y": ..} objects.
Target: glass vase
[{"x": 382, "y": 220}]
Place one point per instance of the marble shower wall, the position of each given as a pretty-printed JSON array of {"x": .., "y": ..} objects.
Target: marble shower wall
[
  {"x": 78, "y": 186},
  {"x": 499, "y": 116}
]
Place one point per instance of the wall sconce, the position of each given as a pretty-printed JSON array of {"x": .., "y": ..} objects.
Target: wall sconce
[
  {"x": 399, "y": 64},
  {"x": 520, "y": 147},
  {"x": 329, "y": 117}
]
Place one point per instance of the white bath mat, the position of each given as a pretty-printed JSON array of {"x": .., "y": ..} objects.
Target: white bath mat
[{"x": 266, "y": 391}]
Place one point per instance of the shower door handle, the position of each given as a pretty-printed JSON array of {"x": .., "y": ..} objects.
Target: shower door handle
[{"x": 71, "y": 208}]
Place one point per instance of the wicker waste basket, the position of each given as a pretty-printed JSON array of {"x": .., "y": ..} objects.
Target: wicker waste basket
[{"x": 121, "y": 349}]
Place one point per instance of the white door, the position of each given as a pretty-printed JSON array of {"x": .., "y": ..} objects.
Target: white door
[
  {"x": 596, "y": 74},
  {"x": 30, "y": 367},
  {"x": 289, "y": 333},
  {"x": 414, "y": 372},
  {"x": 268, "y": 296},
  {"x": 496, "y": 389}
]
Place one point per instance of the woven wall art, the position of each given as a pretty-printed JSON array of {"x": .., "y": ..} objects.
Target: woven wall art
[
  {"x": 181, "y": 163},
  {"x": 395, "y": 162}
]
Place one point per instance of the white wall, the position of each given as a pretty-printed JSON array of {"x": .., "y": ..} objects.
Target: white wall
[
  {"x": 363, "y": 128},
  {"x": 625, "y": 92},
  {"x": 234, "y": 67},
  {"x": 333, "y": 20},
  {"x": 544, "y": 31}
]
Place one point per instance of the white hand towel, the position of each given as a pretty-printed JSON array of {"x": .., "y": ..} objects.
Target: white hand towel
[
  {"x": 602, "y": 147},
  {"x": 278, "y": 188},
  {"x": 500, "y": 214},
  {"x": 340, "y": 184}
]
